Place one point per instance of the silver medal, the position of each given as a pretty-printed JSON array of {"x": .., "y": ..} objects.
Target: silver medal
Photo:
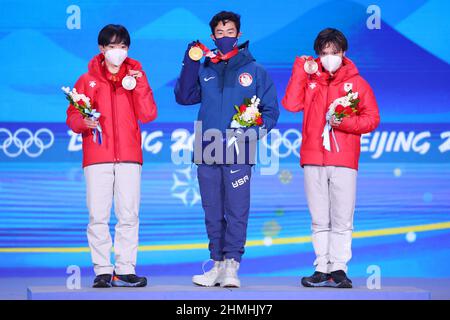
[{"x": 129, "y": 82}]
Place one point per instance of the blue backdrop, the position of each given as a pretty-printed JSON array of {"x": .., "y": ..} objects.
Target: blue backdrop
[{"x": 402, "y": 220}]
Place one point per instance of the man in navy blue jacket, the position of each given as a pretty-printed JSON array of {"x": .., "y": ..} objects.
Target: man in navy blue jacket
[{"x": 228, "y": 75}]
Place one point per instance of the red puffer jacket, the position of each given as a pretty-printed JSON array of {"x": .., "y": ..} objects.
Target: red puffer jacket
[
  {"x": 313, "y": 94},
  {"x": 120, "y": 109}
]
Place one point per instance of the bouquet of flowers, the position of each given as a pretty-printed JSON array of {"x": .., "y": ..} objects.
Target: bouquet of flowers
[
  {"x": 83, "y": 105},
  {"x": 340, "y": 108},
  {"x": 247, "y": 115},
  {"x": 344, "y": 106}
]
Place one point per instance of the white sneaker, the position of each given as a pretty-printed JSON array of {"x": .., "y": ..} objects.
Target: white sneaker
[
  {"x": 230, "y": 276},
  {"x": 212, "y": 277}
]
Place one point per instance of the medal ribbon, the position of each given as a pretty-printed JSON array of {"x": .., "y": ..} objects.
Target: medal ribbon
[
  {"x": 234, "y": 125},
  {"x": 326, "y": 137},
  {"x": 215, "y": 58}
]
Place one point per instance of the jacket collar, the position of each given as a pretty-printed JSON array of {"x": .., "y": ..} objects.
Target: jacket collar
[
  {"x": 96, "y": 66},
  {"x": 242, "y": 58}
]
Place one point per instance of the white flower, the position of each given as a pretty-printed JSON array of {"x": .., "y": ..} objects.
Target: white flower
[
  {"x": 79, "y": 96},
  {"x": 253, "y": 113},
  {"x": 74, "y": 96},
  {"x": 66, "y": 90},
  {"x": 255, "y": 101},
  {"x": 344, "y": 101},
  {"x": 246, "y": 117},
  {"x": 352, "y": 96},
  {"x": 331, "y": 109}
]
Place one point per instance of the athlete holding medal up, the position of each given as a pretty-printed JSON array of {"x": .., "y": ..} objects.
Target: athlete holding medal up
[
  {"x": 319, "y": 87},
  {"x": 226, "y": 77},
  {"x": 118, "y": 89}
]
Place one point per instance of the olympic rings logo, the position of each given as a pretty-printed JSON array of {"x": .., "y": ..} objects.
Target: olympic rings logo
[
  {"x": 281, "y": 141},
  {"x": 24, "y": 146}
]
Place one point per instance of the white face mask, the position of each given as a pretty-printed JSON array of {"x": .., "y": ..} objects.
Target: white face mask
[
  {"x": 116, "y": 56},
  {"x": 331, "y": 62}
]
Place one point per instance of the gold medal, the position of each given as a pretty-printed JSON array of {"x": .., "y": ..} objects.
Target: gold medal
[
  {"x": 195, "y": 53},
  {"x": 311, "y": 66}
]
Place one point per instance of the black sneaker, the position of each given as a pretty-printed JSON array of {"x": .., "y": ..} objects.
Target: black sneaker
[
  {"x": 340, "y": 280},
  {"x": 318, "y": 279},
  {"x": 128, "y": 280},
  {"x": 102, "y": 281}
]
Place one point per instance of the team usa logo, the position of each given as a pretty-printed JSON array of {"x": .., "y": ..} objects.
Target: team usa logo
[{"x": 245, "y": 79}]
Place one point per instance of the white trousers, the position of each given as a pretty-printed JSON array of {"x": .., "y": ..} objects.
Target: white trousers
[
  {"x": 331, "y": 195},
  {"x": 121, "y": 182}
]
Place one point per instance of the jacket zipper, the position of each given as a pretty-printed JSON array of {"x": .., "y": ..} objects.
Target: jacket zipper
[
  {"x": 223, "y": 84},
  {"x": 116, "y": 136},
  {"x": 326, "y": 101}
]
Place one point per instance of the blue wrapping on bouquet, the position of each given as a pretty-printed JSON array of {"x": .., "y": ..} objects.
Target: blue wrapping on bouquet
[{"x": 94, "y": 115}]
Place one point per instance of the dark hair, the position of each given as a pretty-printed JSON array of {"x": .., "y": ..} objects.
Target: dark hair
[
  {"x": 114, "y": 34},
  {"x": 330, "y": 36},
  {"x": 225, "y": 16}
]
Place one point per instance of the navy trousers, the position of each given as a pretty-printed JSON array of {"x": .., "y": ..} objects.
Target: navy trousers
[{"x": 225, "y": 193}]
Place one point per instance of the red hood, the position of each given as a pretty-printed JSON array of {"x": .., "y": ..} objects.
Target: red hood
[
  {"x": 95, "y": 66},
  {"x": 345, "y": 72}
]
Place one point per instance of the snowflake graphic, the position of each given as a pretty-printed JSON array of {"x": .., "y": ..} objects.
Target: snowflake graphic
[
  {"x": 285, "y": 176},
  {"x": 185, "y": 187}
]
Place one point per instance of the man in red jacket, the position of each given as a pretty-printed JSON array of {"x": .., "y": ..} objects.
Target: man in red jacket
[
  {"x": 118, "y": 89},
  {"x": 330, "y": 150}
]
